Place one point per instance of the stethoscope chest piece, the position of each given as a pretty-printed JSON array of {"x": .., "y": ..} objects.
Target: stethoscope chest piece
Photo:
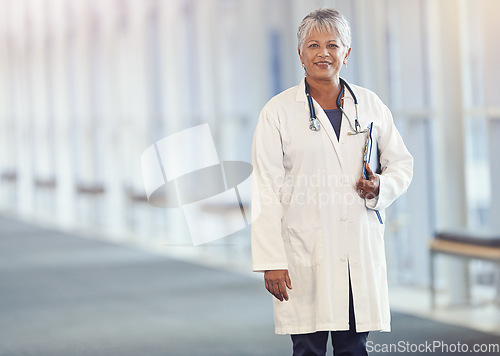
[{"x": 314, "y": 124}]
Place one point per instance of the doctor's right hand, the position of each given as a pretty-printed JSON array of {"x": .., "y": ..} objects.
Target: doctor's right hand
[{"x": 276, "y": 283}]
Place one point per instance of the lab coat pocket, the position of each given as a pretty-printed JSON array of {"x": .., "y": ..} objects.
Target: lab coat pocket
[{"x": 306, "y": 245}]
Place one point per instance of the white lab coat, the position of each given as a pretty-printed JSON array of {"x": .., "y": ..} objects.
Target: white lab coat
[{"x": 311, "y": 220}]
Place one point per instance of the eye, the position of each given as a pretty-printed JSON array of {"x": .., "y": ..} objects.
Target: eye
[
  {"x": 313, "y": 45},
  {"x": 333, "y": 45}
]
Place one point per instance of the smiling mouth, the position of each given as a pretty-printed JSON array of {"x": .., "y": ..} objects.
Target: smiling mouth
[{"x": 323, "y": 63}]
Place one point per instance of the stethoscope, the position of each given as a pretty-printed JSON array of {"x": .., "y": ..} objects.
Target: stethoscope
[{"x": 314, "y": 122}]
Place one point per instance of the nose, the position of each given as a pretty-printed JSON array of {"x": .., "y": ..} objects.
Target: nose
[{"x": 323, "y": 52}]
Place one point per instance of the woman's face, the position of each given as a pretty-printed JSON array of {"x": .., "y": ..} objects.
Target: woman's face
[{"x": 323, "y": 55}]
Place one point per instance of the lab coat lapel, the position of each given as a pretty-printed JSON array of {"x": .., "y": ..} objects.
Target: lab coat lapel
[
  {"x": 352, "y": 145},
  {"x": 349, "y": 117},
  {"x": 325, "y": 124}
]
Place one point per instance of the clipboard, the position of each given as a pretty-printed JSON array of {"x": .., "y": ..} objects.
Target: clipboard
[{"x": 367, "y": 157}]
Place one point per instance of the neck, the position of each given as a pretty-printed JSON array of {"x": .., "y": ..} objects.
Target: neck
[
  {"x": 325, "y": 92},
  {"x": 325, "y": 84}
]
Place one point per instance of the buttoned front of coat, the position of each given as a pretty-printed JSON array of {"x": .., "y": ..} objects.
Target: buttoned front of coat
[{"x": 311, "y": 219}]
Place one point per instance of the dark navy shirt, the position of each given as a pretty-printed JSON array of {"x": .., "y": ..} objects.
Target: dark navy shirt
[{"x": 335, "y": 117}]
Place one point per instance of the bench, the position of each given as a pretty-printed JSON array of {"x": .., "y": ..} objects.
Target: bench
[{"x": 465, "y": 244}]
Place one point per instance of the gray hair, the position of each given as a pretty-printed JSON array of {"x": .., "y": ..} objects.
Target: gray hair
[{"x": 325, "y": 20}]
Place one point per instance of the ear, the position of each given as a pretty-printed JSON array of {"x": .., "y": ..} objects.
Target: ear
[
  {"x": 300, "y": 55},
  {"x": 347, "y": 55}
]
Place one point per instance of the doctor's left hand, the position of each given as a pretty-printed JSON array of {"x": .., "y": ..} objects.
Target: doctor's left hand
[{"x": 368, "y": 188}]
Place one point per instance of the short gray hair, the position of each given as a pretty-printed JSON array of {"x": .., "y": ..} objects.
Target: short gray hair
[{"x": 325, "y": 20}]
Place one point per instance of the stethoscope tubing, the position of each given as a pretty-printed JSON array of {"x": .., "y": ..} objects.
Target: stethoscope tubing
[{"x": 313, "y": 120}]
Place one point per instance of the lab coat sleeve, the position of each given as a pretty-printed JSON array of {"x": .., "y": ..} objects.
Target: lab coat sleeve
[
  {"x": 268, "y": 251},
  {"x": 395, "y": 161}
]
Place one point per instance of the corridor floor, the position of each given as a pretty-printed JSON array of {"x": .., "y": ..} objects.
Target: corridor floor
[{"x": 62, "y": 294}]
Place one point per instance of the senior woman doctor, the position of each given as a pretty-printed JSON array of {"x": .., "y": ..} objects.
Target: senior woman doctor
[{"x": 317, "y": 237}]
